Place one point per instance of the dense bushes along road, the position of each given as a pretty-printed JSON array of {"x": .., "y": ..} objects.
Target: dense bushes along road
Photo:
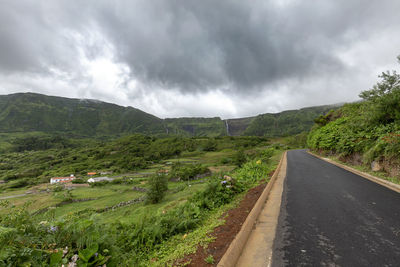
[{"x": 366, "y": 131}]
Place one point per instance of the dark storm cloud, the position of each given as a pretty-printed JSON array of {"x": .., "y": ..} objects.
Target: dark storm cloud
[
  {"x": 28, "y": 40},
  {"x": 190, "y": 44},
  {"x": 192, "y": 47}
]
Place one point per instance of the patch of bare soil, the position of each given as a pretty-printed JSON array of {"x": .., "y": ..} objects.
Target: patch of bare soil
[
  {"x": 224, "y": 234},
  {"x": 389, "y": 165},
  {"x": 392, "y": 167},
  {"x": 354, "y": 159}
]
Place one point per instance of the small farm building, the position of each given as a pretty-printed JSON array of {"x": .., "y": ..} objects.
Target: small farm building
[
  {"x": 99, "y": 179},
  {"x": 55, "y": 180}
]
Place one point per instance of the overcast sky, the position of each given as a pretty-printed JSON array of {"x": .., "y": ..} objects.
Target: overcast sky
[{"x": 198, "y": 57}]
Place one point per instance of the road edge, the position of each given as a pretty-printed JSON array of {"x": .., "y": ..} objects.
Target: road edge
[
  {"x": 234, "y": 250},
  {"x": 390, "y": 185}
]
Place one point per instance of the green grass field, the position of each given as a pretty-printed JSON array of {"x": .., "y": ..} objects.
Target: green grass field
[
  {"x": 100, "y": 205},
  {"x": 110, "y": 195}
]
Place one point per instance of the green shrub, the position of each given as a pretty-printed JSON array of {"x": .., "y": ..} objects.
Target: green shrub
[
  {"x": 226, "y": 160},
  {"x": 90, "y": 256},
  {"x": 252, "y": 172},
  {"x": 36, "y": 244},
  {"x": 10, "y": 177},
  {"x": 19, "y": 183},
  {"x": 216, "y": 194},
  {"x": 187, "y": 172},
  {"x": 58, "y": 188},
  {"x": 239, "y": 158},
  {"x": 209, "y": 259},
  {"x": 210, "y": 145},
  {"x": 78, "y": 181},
  {"x": 267, "y": 153},
  {"x": 120, "y": 181},
  {"x": 100, "y": 183},
  {"x": 158, "y": 186}
]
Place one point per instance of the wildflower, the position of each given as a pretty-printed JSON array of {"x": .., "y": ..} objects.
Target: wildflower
[
  {"x": 184, "y": 236},
  {"x": 53, "y": 229},
  {"x": 258, "y": 161},
  {"x": 228, "y": 178},
  {"x": 65, "y": 251},
  {"x": 223, "y": 182},
  {"x": 73, "y": 261},
  {"x": 43, "y": 222}
]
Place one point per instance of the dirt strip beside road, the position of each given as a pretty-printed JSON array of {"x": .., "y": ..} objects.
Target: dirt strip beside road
[{"x": 245, "y": 249}]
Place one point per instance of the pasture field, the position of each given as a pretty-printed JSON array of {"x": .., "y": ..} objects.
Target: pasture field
[{"x": 114, "y": 222}]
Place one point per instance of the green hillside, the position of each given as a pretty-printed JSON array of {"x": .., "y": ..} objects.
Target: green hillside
[
  {"x": 270, "y": 124},
  {"x": 196, "y": 126},
  {"x": 286, "y": 123},
  {"x": 365, "y": 133},
  {"x": 27, "y": 112},
  {"x": 237, "y": 127}
]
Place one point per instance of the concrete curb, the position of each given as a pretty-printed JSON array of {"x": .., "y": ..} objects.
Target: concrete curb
[
  {"x": 234, "y": 250},
  {"x": 390, "y": 185}
]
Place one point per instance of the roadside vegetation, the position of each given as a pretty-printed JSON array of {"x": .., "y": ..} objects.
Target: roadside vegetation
[
  {"x": 365, "y": 133},
  {"x": 166, "y": 196}
]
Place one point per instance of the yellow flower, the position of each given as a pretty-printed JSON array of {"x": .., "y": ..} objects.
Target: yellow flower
[{"x": 258, "y": 161}]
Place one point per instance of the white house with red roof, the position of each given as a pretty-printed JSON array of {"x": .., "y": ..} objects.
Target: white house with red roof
[{"x": 55, "y": 180}]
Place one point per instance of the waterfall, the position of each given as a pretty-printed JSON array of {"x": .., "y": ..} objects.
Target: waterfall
[{"x": 227, "y": 128}]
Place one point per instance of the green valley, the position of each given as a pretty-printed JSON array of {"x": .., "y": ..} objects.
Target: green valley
[
  {"x": 138, "y": 190},
  {"x": 117, "y": 220}
]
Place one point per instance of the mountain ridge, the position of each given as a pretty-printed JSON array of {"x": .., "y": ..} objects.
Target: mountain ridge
[{"x": 28, "y": 112}]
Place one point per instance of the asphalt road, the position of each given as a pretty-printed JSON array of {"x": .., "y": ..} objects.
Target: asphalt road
[{"x": 332, "y": 217}]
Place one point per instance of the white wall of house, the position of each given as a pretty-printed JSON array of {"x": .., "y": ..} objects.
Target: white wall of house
[{"x": 61, "y": 179}]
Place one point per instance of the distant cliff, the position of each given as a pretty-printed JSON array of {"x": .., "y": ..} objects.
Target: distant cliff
[{"x": 28, "y": 112}]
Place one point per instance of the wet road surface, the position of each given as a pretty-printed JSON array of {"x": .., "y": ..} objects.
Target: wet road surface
[{"x": 332, "y": 217}]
